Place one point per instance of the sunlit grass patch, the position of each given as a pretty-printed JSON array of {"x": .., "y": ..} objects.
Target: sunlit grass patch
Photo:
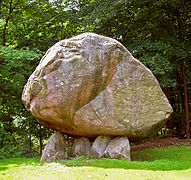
[{"x": 170, "y": 163}]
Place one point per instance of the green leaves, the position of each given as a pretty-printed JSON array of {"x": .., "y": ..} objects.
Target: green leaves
[
  {"x": 157, "y": 33},
  {"x": 158, "y": 57},
  {"x": 17, "y": 126},
  {"x": 14, "y": 71}
]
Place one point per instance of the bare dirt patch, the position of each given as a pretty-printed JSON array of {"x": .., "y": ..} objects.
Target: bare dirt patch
[{"x": 162, "y": 143}]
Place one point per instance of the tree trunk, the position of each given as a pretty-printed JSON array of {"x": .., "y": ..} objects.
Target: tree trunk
[
  {"x": 185, "y": 99},
  {"x": 41, "y": 145},
  {"x": 180, "y": 25},
  {"x": 40, "y": 141},
  {"x": 168, "y": 93},
  {"x": 11, "y": 8},
  {"x": 180, "y": 93},
  {"x": 4, "y": 31},
  {"x": 30, "y": 139}
]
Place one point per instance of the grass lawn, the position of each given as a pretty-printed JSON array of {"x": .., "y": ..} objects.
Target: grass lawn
[{"x": 170, "y": 163}]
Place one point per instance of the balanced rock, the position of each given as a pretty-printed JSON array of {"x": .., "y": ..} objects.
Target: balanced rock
[
  {"x": 90, "y": 85},
  {"x": 99, "y": 146},
  {"x": 118, "y": 148},
  {"x": 81, "y": 147},
  {"x": 55, "y": 148}
]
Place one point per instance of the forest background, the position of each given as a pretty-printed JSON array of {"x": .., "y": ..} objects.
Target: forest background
[{"x": 158, "y": 33}]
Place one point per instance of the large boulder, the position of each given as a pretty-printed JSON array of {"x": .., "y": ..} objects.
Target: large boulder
[
  {"x": 91, "y": 85},
  {"x": 99, "y": 146},
  {"x": 55, "y": 148},
  {"x": 81, "y": 147},
  {"x": 118, "y": 148}
]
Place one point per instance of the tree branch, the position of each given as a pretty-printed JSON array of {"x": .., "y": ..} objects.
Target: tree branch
[
  {"x": 8, "y": 18},
  {"x": 16, "y": 5},
  {"x": 10, "y": 7},
  {"x": 182, "y": 58},
  {"x": 1, "y": 4},
  {"x": 13, "y": 40},
  {"x": 4, "y": 30}
]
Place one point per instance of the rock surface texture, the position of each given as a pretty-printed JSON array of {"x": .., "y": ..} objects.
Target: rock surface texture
[
  {"x": 90, "y": 85},
  {"x": 81, "y": 147},
  {"x": 118, "y": 148},
  {"x": 99, "y": 146},
  {"x": 55, "y": 148}
]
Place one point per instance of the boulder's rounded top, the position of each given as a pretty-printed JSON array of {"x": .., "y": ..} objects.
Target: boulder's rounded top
[{"x": 90, "y": 85}]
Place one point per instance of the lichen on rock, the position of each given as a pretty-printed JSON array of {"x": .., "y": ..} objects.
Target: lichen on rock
[{"x": 91, "y": 85}]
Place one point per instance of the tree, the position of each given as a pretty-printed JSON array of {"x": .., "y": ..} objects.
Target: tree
[
  {"x": 41, "y": 24},
  {"x": 14, "y": 72},
  {"x": 156, "y": 32},
  {"x": 34, "y": 24},
  {"x": 7, "y": 12}
]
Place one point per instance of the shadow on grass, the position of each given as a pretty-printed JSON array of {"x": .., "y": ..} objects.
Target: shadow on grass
[
  {"x": 5, "y": 164},
  {"x": 176, "y": 158},
  {"x": 121, "y": 164},
  {"x": 3, "y": 168}
]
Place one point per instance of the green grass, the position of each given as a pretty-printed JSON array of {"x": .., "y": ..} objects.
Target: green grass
[{"x": 170, "y": 163}]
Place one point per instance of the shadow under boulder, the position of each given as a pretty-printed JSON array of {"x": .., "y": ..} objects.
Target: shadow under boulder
[{"x": 103, "y": 146}]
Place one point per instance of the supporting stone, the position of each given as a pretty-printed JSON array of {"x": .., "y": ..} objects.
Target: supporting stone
[
  {"x": 118, "y": 148},
  {"x": 99, "y": 146},
  {"x": 55, "y": 148},
  {"x": 81, "y": 147}
]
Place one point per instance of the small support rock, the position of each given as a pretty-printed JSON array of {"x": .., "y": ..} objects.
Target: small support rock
[
  {"x": 55, "y": 148},
  {"x": 81, "y": 147},
  {"x": 118, "y": 148},
  {"x": 100, "y": 145}
]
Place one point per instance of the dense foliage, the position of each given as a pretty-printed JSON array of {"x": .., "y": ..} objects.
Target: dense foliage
[
  {"x": 158, "y": 33},
  {"x": 18, "y": 127}
]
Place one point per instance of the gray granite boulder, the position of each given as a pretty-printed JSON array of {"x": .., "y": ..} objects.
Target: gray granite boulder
[
  {"x": 90, "y": 85},
  {"x": 99, "y": 146},
  {"x": 118, "y": 148},
  {"x": 55, "y": 148},
  {"x": 81, "y": 147}
]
